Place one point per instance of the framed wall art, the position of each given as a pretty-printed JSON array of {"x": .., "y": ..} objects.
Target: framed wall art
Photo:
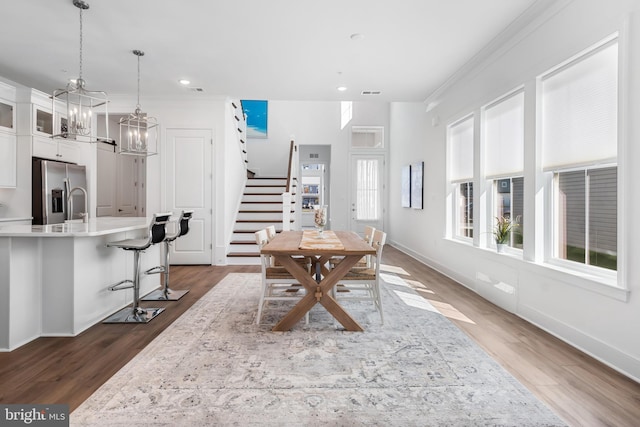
[
  {"x": 257, "y": 113},
  {"x": 406, "y": 186},
  {"x": 417, "y": 182}
]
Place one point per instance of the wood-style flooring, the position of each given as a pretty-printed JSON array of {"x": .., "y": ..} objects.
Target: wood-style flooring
[{"x": 581, "y": 390}]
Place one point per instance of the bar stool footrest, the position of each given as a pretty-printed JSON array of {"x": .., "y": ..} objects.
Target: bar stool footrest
[
  {"x": 130, "y": 315},
  {"x": 156, "y": 270},
  {"x": 161, "y": 295},
  {"x": 118, "y": 287}
]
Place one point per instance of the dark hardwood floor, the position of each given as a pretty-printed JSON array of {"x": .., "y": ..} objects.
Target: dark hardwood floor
[{"x": 578, "y": 388}]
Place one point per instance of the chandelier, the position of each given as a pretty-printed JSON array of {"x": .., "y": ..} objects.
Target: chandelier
[
  {"x": 74, "y": 107},
  {"x": 139, "y": 132}
]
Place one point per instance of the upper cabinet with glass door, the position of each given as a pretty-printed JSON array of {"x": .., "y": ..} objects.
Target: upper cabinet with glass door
[
  {"x": 7, "y": 108},
  {"x": 8, "y": 136},
  {"x": 42, "y": 121}
]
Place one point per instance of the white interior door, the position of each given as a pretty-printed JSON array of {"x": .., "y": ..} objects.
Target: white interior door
[
  {"x": 106, "y": 181},
  {"x": 367, "y": 192},
  {"x": 126, "y": 196},
  {"x": 189, "y": 187}
]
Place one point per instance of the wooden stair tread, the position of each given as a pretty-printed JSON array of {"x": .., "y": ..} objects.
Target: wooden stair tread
[
  {"x": 262, "y": 211},
  {"x": 266, "y": 194},
  {"x": 270, "y": 177},
  {"x": 259, "y": 220},
  {"x": 243, "y": 254}
]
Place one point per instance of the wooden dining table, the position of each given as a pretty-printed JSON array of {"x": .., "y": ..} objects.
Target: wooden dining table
[{"x": 287, "y": 245}]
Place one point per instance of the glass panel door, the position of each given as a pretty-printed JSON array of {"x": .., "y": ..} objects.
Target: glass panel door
[{"x": 367, "y": 192}]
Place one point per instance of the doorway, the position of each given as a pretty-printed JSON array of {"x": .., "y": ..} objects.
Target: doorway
[
  {"x": 315, "y": 181},
  {"x": 367, "y": 192},
  {"x": 121, "y": 179}
]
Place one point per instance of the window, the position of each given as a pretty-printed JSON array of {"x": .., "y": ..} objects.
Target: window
[
  {"x": 367, "y": 190},
  {"x": 504, "y": 160},
  {"x": 579, "y": 147},
  {"x": 460, "y": 137},
  {"x": 465, "y": 209},
  {"x": 586, "y": 203},
  {"x": 367, "y": 137},
  {"x": 509, "y": 203},
  {"x": 346, "y": 113}
]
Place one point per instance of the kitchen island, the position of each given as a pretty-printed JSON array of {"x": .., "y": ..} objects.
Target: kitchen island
[{"x": 54, "y": 278}]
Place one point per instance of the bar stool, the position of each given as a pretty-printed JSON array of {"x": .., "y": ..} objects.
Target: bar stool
[
  {"x": 135, "y": 313},
  {"x": 167, "y": 294}
]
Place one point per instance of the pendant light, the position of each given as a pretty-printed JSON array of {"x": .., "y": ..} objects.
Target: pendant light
[
  {"x": 74, "y": 108},
  {"x": 139, "y": 132}
]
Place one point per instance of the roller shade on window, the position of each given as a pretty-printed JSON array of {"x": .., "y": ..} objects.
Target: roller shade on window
[
  {"x": 461, "y": 151},
  {"x": 504, "y": 137},
  {"x": 580, "y": 111}
]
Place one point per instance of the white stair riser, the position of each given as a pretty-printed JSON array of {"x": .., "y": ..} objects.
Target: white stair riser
[
  {"x": 243, "y": 237},
  {"x": 274, "y": 181},
  {"x": 261, "y": 207},
  {"x": 271, "y": 216},
  {"x": 278, "y": 190},
  {"x": 243, "y": 260},
  {"x": 244, "y": 248},
  {"x": 262, "y": 198},
  {"x": 256, "y": 225}
]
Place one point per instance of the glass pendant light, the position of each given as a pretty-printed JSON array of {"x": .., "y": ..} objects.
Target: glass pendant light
[
  {"x": 139, "y": 132},
  {"x": 74, "y": 108}
]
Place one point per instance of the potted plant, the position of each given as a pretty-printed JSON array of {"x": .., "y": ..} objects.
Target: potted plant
[{"x": 502, "y": 231}]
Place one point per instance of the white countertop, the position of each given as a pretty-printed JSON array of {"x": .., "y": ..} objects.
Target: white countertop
[
  {"x": 14, "y": 219},
  {"x": 95, "y": 227}
]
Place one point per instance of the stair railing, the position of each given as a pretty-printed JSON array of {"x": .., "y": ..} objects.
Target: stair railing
[
  {"x": 241, "y": 129},
  {"x": 287, "y": 196}
]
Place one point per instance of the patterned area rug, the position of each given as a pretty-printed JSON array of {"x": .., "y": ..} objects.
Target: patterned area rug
[{"x": 214, "y": 366}]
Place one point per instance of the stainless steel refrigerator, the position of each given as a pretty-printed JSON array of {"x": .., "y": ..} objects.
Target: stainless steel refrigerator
[{"x": 51, "y": 184}]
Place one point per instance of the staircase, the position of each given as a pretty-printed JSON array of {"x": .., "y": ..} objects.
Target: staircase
[{"x": 261, "y": 206}]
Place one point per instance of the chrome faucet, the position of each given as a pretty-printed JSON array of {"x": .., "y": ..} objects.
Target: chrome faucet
[{"x": 85, "y": 214}]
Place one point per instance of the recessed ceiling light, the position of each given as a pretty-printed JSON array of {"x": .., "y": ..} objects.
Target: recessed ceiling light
[
  {"x": 185, "y": 82},
  {"x": 342, "y": 88}
]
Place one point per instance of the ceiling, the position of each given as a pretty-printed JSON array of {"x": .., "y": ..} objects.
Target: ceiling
[{"x": 253, "y": 49}]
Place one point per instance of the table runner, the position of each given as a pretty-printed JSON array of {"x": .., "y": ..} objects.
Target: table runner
[{"x": 311, "y": 240}]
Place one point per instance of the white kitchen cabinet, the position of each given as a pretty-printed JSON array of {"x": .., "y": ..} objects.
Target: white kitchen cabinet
[
  {"x": 42, "y": 121},
  {"x": 64, "y": 151},
  {"x": 8, "y": 142},
  {"x": 7, "y": 116},
  {"x": 8, "y": 160}
]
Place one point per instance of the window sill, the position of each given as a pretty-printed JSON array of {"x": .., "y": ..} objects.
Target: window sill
[
  {"x": 603, "y": 285},
  {"x": 600, "y": 284}
]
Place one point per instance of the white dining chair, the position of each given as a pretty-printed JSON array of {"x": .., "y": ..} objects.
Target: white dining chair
[
  {"x": 363, "y": 283},
  {"x": 366, "y": 260},
  {"x": 277, "y": 283}
]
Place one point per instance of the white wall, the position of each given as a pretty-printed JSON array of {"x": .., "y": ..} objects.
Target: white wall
[
  {"x": 231, "y": 177},
  {"x": 599, "y": 319},
  {"x": 315, "y": 123},
  {"x": 17, "y": 201}
]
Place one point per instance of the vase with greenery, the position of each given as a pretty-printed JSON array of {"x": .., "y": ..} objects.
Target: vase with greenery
[{"x": 502, "y": 231}]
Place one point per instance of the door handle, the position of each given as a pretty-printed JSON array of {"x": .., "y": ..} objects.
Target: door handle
[{"x": 119, "y": 210}]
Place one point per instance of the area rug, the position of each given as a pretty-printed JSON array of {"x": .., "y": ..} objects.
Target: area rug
[{"x": 215, "y": 367}]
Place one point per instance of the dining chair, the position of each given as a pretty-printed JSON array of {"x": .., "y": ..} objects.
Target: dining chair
[
  {"x": 271, "y": 232},
  {"x": 277, "y": 283},
  {"x": 366, "y": 260},
  {"x": 363, "y": 283}
]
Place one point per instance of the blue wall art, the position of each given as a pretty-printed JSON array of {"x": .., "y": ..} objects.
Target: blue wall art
[{"x": 257, "y": 118}]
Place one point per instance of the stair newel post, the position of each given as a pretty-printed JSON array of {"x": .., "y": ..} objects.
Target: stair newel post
[{"x": 286, "y": 211}]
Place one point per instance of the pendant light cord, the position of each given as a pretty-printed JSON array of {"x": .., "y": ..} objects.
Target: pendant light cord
[
  {"x": 138, "y": 104},
  {"x": 80, "y": 76}
]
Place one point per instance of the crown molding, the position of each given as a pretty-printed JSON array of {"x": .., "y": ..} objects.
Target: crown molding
[{"x": 532, "y": 18}]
